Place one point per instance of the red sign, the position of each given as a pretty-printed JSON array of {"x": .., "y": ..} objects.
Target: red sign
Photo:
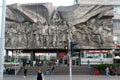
[
  {"x": 117, "y": 45},
  {"x": 61, "y": 55},
  {"x": 98, "y": 52}
]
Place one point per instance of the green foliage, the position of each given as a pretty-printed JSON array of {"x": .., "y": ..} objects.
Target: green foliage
[{"x": 103, "y": 66}]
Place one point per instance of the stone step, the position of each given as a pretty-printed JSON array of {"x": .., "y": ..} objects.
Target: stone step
[{"x": 80, "y": 70}]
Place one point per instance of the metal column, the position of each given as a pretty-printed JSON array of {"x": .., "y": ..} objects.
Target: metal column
[
  {"x": 2, "y": 35},
  {"x": 70, "y": 60}
]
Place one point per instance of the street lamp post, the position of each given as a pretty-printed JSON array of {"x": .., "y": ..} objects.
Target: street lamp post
[
  {"x": 69, "y": 55},
  {"x": 115, "y": 40},
  {"x": 70, "y": 59},
  {"x": 2, "y": 33},
  {"x": 71, "y": 46}
]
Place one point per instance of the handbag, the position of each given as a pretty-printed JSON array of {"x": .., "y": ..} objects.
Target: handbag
[{"x": 43, "y": 76}]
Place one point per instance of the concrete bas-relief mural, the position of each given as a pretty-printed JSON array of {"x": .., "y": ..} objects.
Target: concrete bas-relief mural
[{"x": 42, "y": 25}]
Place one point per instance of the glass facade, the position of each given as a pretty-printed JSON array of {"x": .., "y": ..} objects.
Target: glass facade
[
  {"x": 117, "y": 10},
  {"x": 116, "y": 25},
  {"x": 48, "y": 59},
  {"x": 96, "y": 54}
]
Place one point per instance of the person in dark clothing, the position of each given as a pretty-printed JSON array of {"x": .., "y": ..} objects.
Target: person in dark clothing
[
  {"x": 111, "y": 71},
  {"x": 25, "y": 72},
  {"x": 48, "y": 71},
  {"x": 52, "y": 70},
  {"x": 88, "y": 62},
  {"x": 39, "y": 75}
]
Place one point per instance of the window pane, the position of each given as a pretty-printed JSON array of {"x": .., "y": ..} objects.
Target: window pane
[{"x": 117, "y": 10}]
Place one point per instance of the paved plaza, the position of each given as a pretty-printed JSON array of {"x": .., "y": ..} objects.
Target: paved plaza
[{"x": 62, "y": 77}]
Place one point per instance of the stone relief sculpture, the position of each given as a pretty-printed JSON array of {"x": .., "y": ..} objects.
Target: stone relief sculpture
[{"x": 34, "y": 26}]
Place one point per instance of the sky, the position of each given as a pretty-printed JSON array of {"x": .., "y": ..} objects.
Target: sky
[{"x": 54, "y": 2}]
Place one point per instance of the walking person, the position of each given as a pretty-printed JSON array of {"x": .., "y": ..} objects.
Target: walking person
[
  {"x": 52, "y": 70},
  {"x": 47, "y": 72},
  {"x": 25, "y": 72},
  {"x": 111, "y": 71},
  {"x": 88, "y": 62},
  {"x": 40, "y": 75},
  {"x": 107, "y": 71},
  {"x": 115, "y": 70}
]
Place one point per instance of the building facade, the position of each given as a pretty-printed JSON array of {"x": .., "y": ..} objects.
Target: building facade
[{"x": 43, "y": 28}]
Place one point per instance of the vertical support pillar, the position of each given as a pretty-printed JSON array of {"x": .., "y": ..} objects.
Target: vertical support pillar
[
  {"x": 7, "y": 55},
  {"x": 80, "y": 58},
  {"x": 32, "y": 57},
  {"x": 2, "y": 35},
  {"x": 70, "y": 59}
]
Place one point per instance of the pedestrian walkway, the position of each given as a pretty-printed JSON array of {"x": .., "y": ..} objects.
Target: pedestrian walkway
[{"x": 62, "y": 77}]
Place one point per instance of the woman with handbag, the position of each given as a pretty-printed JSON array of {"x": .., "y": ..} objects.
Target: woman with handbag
[{"x": 40, "y": 75}]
